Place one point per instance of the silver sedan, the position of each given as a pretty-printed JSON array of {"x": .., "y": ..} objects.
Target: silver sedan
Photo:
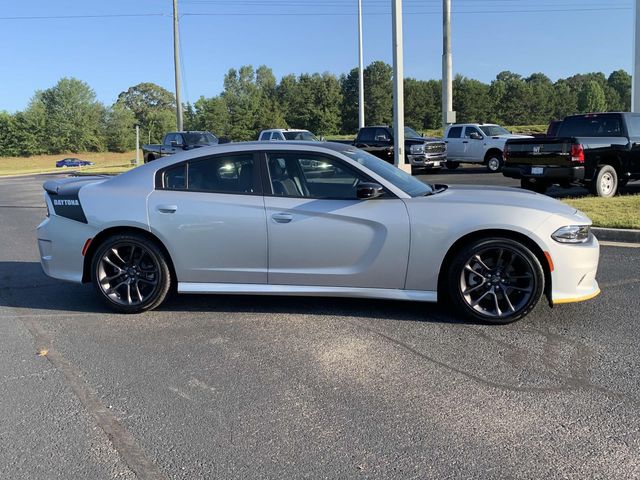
[{"x": 323, "y": 219}]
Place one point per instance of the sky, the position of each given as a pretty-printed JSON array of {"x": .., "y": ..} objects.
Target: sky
[{"x": 112, "y": 53}]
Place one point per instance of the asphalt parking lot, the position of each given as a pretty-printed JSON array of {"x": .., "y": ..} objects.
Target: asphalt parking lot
[{"x": 259, "y": 387}]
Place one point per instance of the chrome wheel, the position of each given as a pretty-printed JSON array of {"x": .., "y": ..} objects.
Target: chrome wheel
[
  {"x": 607, "y": 183},
  {"x": 128, "y": 274},
  {"x": 494, "y": 164},
  {"x": 498, "y": 282}
]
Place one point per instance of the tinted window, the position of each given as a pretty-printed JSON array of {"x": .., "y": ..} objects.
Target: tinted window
[
  {"x": 200, "y": 138},
  {"x": 634, "y": 125},
  {"x": 265, "y": 136},
  {"x": 171, "y": 137},
  {"x": 226, "y": 174},
  {"x": 175, "y": 178},
  {"x": 178, "y": 139},
  {"x": 382, "y": 135},
  {"x": 455, "y": 132},
  {"x": 605, "y": 125},
  {"x": 305, "y": 136},
  {"x": 367, "y": 135},
  {"x": 276, "y": 136},
  {"x": 494, "y": 130},
  {"x": 312, "y": 176}
]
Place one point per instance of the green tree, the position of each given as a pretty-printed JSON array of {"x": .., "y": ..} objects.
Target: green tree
[
  {"x": 153, "y": 107},
  {"x": 471, "y": 100},
  {"x": 378, "y": 93},
  {"x": 620, "y": 82},
  {"x": 74, "y": 119},
  {"x": 211, "y": 114},
  {"x": 349, "y": 88},
  {"x": 542, "y": 101},
  {"x": 511, "y": 97},
  {"x": 120, "y": 129},
  {"x": 565, "y": 100},
  {"x": 591, "y": 97}
]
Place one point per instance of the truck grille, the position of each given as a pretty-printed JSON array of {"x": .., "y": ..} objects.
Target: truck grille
[{"x": 439, "y": 147}]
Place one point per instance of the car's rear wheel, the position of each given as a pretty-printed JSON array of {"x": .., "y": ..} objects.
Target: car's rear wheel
[
  {"x": 606, "y": 182},
  {"x": 494, "y": 163},
  {"x": 452, "y": 165},
  {"x": 130, "y": 273},
  {"x": 495, "y": 280}
]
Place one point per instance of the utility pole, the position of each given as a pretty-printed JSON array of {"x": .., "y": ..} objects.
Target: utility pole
[
  {"x": 361, "y": 123},
  {"x": 398, "y": 89},
  {"x": 448, "y": 115},
  {"x": 176, "y": 63},
  {"x": 137, "y": 145},
  {"x": 635, "y": 90}
]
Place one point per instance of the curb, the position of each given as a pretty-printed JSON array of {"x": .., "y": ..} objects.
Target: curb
[{"x": 616, "y": 235}]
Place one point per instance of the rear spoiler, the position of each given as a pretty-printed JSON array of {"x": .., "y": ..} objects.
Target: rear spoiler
[{"x": 70, "y": 185}]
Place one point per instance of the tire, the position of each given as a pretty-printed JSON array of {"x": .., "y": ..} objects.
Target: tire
[
  {"x": 126, "y": 266},
  {"x": 606, "y": 182},
  {"x": 495, "y": 280},
  {"x": 453, "y": 165},
  {"x": 537, "y": 186},
  {"x": 494, "y": 163}
]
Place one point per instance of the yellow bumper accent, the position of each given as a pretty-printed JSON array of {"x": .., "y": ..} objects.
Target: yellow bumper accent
[{"x": 577, "y": 299}]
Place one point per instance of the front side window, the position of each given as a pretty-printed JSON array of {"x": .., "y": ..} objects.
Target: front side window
[
  {"x": 169, "y": 138},
  {"x": 634, "y": 125},
  {"x": 469, "y": 130},
  {"x": 455, "y": 132},
  {"x": 276, "y": 136},
  {"x": 311, "y": 175},
  {"x": 201, "y": 138},
  {"x": 223, "y": 174}
]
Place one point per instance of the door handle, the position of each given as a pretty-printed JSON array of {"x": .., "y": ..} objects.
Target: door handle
[
  {"x": 167, "y": 208},
  {"x": 282, "y": 217},
  {"x": 465, "y": 141}
]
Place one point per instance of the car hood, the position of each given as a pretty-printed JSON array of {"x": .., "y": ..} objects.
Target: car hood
[{"x": 499, "y": 196}]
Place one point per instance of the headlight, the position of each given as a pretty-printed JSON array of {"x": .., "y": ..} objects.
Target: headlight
[
  {"x": 572, "y": 234},
  {"x": 416, "y": 149}
]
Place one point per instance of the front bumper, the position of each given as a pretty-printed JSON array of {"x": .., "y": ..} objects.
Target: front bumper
[
  {"x": 574, "y": 275},
  {"x": 434, "y": 160},
  {"x": 549, "y": 173}
]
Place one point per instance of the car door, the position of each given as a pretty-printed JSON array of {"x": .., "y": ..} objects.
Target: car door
[
  {"x": 320, "y": 234},
  {"x": 455, "y": 145},
  {"x": 474, "y": 148},
  {"x": 209, "y": 212}
]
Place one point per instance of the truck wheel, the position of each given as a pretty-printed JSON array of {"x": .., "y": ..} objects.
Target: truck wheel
[
  {"x": 534, "y": 185},
  {"x": 453, "y": 165},
  {"x": 494, "y": 163},
  {"x": 606, "y": 183}
]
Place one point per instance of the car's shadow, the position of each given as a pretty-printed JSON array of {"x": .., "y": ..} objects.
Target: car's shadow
[{"x": 27, "y": 290}]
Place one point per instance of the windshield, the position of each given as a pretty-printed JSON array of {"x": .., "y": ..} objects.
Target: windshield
[
  {"x": 494, "y": 130},
  {"x": 306, "y": 136},
  {"x": 411, "y": 133},
  {"x": 200, "y": 138},
  {"x": 391, "y": 174}
]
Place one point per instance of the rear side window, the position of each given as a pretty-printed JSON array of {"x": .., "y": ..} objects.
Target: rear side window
[
  {"x": 454, "y": 132},
  {"x": 264, "y": 136},
  {"x": 367, "y": 135},
  {"x": 223, "y": 174},
  {"x": 605, "y": 125}
]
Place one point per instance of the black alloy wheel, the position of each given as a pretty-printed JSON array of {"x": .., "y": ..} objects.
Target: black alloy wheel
[
  {"x": 496, "y": 280},
  {"x": 130, "y": 273}
]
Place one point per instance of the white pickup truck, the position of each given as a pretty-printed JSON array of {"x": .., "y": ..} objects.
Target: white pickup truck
[{"x": 477, "y": 143}]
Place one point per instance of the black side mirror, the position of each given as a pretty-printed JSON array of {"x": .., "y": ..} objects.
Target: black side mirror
[{"x": 369, "y": 190}]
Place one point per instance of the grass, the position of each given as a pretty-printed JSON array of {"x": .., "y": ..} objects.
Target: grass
[
  {"x": 617, "y": 212},
  {"x": 105, "y": 162}
]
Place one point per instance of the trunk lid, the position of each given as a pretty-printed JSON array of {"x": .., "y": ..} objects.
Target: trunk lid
[{"x": 540, "y": 151}]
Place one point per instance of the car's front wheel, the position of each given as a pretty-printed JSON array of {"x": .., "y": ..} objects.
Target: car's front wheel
[
  {"x": 494, "y": 163},
  {"x": 130, "y": 273},
  {"x": 495, "y": 280}
]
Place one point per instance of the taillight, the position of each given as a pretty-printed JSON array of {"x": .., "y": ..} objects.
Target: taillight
[
  {"x": 505, "y": 153},
  {"x": 577, "y": 153}
]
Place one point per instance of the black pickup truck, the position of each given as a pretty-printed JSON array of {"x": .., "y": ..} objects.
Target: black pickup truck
[
  {"x": 421, "y": 152},
  {"x": 600, "y": 151},
  {"x": 174, "y": 142}
]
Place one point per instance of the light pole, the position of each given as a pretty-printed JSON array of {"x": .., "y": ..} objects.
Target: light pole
[
  {"x": 176, "y": 64},
  {"x": 361, "y": 123},
  {"x": 448, "y": 115},
  {"x": 398, "y": 89},
  {"x": 635, "y": 90}
]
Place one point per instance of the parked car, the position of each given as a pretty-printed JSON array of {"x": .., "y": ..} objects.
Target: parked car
[
  {"x": 600, "y": 151},
  {"x": 174, "y": 142},
  {"x": 72, "y": 162},
  {"x": 477, "y": 143},
  {"x": 420, "y": 152},
  {"x": 264, "y": 218},
  {"x": 282, "y": 134}
]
